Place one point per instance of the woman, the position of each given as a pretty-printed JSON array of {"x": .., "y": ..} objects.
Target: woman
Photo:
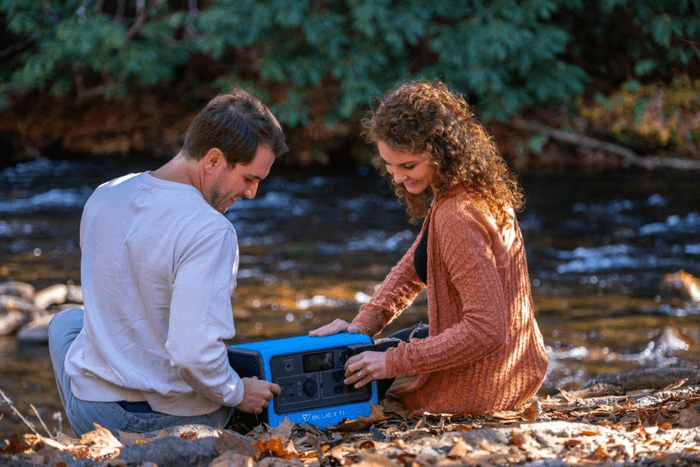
[{"x": 484, "y": 351}]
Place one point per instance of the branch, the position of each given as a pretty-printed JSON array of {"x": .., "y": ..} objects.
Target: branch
[
  {"x": 191, "y": 16},
  {"x": 142, "y": 8},
  {"x": 14, "y": 409},
  {"x": 98, "y": 6},
  {"x": 36, "y": 412},
  {"x": 566, "y": 402},
  {"x": 119, "y": 17},
  {"x": 628, "y": 156},
  {"x": 95, "y": 91},
  {"x": 18, "y": 46},
  {"x": 139, "y": 22}
]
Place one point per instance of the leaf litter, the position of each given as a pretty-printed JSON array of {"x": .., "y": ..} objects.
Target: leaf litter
[{"x": 600, "y": 425}]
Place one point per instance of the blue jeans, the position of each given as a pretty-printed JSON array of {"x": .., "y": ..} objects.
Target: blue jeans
[{"x": 63, "y": 330}]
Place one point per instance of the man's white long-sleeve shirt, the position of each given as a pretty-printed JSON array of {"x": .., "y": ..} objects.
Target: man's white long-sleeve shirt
[{"x": 158, "y": 268}]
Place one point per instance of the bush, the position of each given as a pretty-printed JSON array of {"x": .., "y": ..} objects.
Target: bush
[{"x": 323, "y": 61}]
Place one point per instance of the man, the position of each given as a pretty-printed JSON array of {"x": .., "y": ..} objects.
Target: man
[{"x": 159, "y": 264}]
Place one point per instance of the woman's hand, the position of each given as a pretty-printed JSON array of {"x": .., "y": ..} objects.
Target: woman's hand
[
  {"x": 335, "y": 327},
  {"x": 365, "y": 367}
]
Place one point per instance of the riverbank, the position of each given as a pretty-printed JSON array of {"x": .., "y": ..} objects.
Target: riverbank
[
  {"x": 147, "y": 123},
  {"x": 600, "y": 425}
]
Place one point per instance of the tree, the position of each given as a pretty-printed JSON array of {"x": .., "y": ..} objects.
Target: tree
[{"x": 324, "y": 60}]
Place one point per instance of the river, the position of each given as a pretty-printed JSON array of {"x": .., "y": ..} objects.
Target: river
[{"x": 315, "y": 244}]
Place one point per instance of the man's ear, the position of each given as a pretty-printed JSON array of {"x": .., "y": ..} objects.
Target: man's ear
[{"x": 213, "y": 160}]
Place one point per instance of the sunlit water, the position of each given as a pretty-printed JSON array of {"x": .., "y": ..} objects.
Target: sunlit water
[{"x": 315, "y": 245}]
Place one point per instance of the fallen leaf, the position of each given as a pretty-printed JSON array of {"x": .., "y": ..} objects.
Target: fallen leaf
[
  {"x": 273, "y": 448},
  {"x": 283, "y": 430},
  {"x": 128, "y": 439},
  {"x": 14, "y": 445},
  {"x": 232, "y": 459},
  {"x": 485, "y": 446},
  {"x": 532, "y": 411},
  {"x": 688, "y": 418},
  {"x": 370, "y": 459},
  {"x": 600, "y": 453},
  {"x": 228, "y": 441},
  {"x": 566, "y": 396},
  {"x": 376, "y": 416},
  {"x": 516, "y": 439},
  {"x": 100, "y": 443},
  {"x": 367, "y": 444},
  {"x": 675, "y": 385},
  {"x": 459, "y": 450}
]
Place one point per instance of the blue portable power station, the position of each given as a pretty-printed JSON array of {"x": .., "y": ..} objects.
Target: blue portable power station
[{"x": 310, "y": 371}]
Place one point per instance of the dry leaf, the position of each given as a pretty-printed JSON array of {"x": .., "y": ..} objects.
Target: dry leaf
[
  {"x": 128, "y": 439},
  {"x": 516, "y": 439},
  {"x": 532, "y": 411},
  {"x": 406, "y": 458},
  {"x": 459, "y": 450},
  {"x": 485, "y": 446},
  {"x": 283, "y": 430},
  {"x": 367, "y": 444},
  {"x": 505, "y": 415},
  {"x": 566, "y": 396},
  {"x": 688, "y": 418},
  {"x": 394, "y": 405},
  {"x": 46, "y": 452},
  {"x": 273, "y": 448},
  {"x": 377, "y": 415},
  {"x": 15, "y": 445},
  {"x": 370, "y": 459},
  {"x": 600, "y": 453},
  {"x": 101, "y": 443},
  {"x": 232, "y": 459},
  {"x": 675, "y": 385},
  {"x": 230, "y": 442}
]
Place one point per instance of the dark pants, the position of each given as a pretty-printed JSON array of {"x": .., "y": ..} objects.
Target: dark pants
[{"x": 419, "y": 331}]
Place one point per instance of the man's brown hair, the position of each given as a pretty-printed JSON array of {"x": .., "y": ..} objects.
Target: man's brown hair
[{"x": 237, "y": 123}]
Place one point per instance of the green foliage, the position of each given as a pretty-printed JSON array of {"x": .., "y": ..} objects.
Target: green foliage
[
  {"x": 506, "y": 55},
  {"x": 68, "y": 39},
  {"x": 322, "y": 59},
  {"x": 650, "y": 117}
]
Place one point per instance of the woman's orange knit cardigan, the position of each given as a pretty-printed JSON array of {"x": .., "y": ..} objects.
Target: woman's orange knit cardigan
[{"x": 484, "y": 352}]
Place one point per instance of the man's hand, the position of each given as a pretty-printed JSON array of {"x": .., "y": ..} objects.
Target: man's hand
[
  {"x": 365, "y": 367},
  {"x": 257, "y": 393},
  {"x": 335, "y": 327}
]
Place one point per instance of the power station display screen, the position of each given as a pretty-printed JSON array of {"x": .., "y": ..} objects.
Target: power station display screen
[{"x": 318, "y": 362}]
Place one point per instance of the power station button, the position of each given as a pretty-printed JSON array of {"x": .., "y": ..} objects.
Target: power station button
[{"x": 309, "y": 387}]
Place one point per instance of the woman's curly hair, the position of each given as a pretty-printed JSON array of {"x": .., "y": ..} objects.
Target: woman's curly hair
[{"x": 427, "y": 117}]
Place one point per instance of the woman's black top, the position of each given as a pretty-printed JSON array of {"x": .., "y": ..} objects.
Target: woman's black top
[{"x": 420, "y": 257}]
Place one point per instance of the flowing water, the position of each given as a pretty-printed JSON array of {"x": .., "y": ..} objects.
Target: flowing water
[{"x": 315, "y": 245}]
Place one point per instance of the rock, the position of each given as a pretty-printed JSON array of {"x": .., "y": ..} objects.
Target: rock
[
  {"x": 11, "y": 321},
  {"x": 683, "y": 284},
  {"x": 35, "y": 332},
  {"x": 56, "y": 295},
  {"x": 171, "y": 451},
  {"x": 17, "y": 289},
  {"x": 647, "y": 378},
  {"x": 13, "y": 303}
]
